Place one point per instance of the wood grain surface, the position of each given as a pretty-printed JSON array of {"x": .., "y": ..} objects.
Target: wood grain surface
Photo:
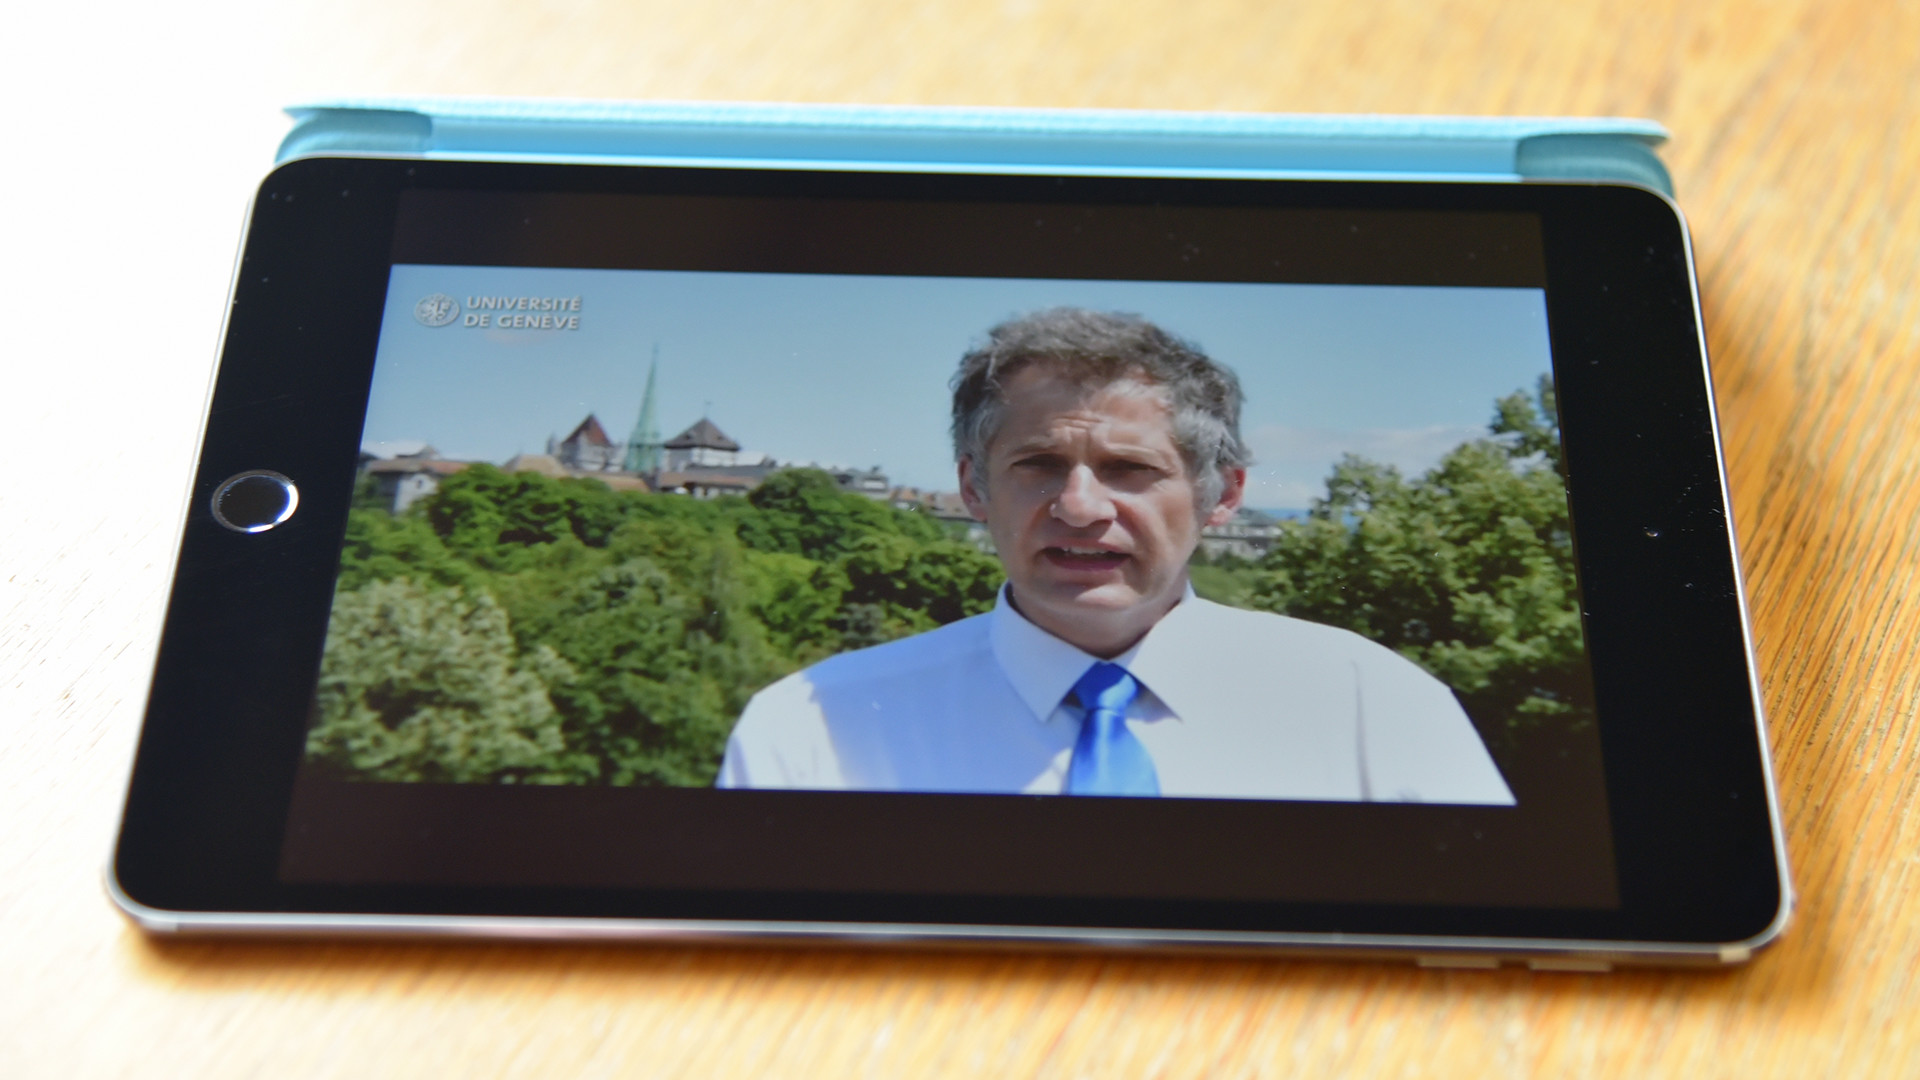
[{"x": 134, "y": 133}]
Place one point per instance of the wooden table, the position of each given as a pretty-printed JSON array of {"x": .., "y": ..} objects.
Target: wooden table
[{"x": 1797, "y": 154}]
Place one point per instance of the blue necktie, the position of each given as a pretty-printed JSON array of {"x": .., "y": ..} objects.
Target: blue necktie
[{"x": 1108, "y": 759}]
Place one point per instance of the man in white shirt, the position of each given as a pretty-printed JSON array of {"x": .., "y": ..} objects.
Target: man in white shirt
[{"x": 1095, "y": 447}]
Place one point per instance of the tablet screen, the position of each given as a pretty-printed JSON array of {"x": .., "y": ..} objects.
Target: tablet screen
[{"x": 1028, "y": 518}]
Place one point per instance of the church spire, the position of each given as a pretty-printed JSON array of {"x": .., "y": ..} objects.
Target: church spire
[{"x": 643, "y": 446}]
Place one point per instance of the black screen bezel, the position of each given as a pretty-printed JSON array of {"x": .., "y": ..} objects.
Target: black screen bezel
[{"x": 1693, "y": 839}]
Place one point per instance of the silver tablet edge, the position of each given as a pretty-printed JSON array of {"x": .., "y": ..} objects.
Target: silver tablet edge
[
  {"x": 1782, "y": 870},
  {"x": 1542, "y": 954}
]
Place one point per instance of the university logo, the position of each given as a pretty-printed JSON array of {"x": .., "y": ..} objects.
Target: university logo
[{"x": 436, "y": 310}]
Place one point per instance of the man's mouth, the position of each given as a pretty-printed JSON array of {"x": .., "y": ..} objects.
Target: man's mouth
[{"x": 1084, "y": 558}]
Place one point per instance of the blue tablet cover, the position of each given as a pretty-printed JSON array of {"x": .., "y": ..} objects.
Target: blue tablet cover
[{"x": 933, "y": 138}]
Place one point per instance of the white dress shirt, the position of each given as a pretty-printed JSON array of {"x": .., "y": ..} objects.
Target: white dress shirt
[{"x": 1234, "y": 705}]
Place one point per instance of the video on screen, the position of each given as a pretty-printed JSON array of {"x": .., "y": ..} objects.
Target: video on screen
[{"x": 956, "y": 535}]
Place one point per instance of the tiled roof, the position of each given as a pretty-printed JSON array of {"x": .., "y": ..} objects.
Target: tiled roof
[
  {"x": 702, "y": 436},
  {"x": 589, "y": 432}
]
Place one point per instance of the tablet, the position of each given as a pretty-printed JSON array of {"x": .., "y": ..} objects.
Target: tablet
[{"x": 669, "y": 552}]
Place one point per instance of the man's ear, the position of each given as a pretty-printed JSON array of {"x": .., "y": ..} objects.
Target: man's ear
[
  {"x": 976, "y": 505},
  {"x": 1232, "y": 494}
]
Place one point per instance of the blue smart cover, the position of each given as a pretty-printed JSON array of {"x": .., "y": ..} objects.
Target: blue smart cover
[{"x": 944, "y": 139}]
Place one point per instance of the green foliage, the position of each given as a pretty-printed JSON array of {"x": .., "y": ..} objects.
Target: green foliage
[
  {"x": 494, "y": 518},
  {"x": 380, "y": 546},
  {"x": 1534, "y": 431},
  {"x": 425, "y": 684},
  {"x": 798, "y": 601},
  {"x": 920, "y": 583},
  {"x": 1225, "y": 580},
  {"x": 644, "y": 621},
  {"x": 665, "y": 667},
  {"x": 1467, "y": 570},
  {"x": 803, "y": 512}
]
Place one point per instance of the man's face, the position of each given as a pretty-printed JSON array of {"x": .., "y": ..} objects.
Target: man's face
[{"x": 1092, "y": 508}]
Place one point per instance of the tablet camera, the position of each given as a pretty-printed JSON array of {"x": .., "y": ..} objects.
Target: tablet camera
[{"x": 255, "y": 501}]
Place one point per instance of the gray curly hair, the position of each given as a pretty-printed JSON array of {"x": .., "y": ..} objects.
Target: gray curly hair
[{"x": 1098, "y": 348}]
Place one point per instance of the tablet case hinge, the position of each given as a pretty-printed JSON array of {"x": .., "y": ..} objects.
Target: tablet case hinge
[{"x": 946, "y": 139}]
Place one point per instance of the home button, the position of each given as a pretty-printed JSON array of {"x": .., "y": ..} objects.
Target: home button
[{"x": 254, "y": 501}]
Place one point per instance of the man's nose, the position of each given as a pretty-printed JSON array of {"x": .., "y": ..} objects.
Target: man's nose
[{"x": 1083, "y": 500}]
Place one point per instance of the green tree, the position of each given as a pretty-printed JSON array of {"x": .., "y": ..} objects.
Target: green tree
[
  {"x": 798, "y": 601},
  {"x": 426, "y": 684},
  {"x": 1532, "y": 426},
  {"x": 803, "y": 512},
  {"x": 380, "y": 546},
  {"x": 1467, "y": 570},
  {"x": 1223, "y": 579},
  {"x": 493, "y": 518},
  {"x": 662, "y": 613},
  {"x": 663, "y": 670},
  {"x": 919, "y": 584}
]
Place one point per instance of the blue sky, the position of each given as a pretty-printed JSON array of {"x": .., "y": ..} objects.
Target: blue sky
[{"x": 853, "y": 370}]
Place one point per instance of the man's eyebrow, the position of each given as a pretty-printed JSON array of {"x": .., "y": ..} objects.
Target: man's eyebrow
[{"x": 1038, "y": 444}]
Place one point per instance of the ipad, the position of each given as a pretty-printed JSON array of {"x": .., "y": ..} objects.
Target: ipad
[{"x": 592, "y": 551}]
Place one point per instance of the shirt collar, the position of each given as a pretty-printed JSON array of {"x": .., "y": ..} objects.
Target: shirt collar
[{"x": 1042, "y": 668}]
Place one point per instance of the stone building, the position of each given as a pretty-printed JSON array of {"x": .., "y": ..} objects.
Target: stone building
[
  {"x": 404, "y": 475},
  {"x": 703, "y": 445},
  {"x": 1249, "y": 534},
  {"x": 946, "y": 507},
  {"x": 587, "y": 449},
  {"x": 548, "y": 465}
]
